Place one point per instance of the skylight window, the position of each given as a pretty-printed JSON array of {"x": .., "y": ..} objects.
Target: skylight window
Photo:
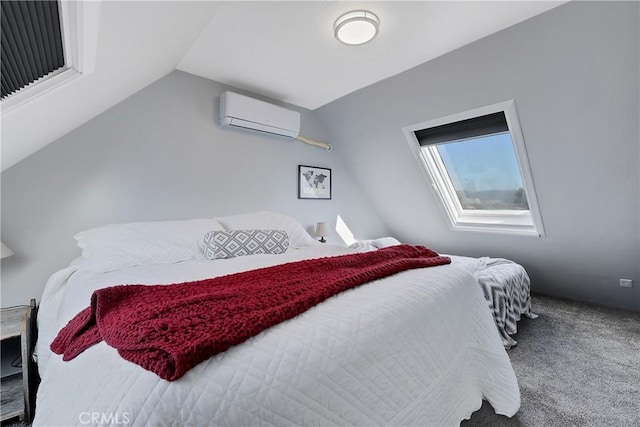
[
  {"x": 31, "y": 43},
  {"x": 477, "y": 164},
  {"x": 44, "y": 45}
]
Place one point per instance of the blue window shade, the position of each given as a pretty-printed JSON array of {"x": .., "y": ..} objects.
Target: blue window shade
[{"x": 31, "y": 43}]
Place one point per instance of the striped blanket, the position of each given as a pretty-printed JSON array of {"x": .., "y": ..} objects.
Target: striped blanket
[{"x": 506, "y": 287}]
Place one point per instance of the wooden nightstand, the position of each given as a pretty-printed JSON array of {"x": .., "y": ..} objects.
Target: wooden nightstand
[{"x": 18, "y": 388}]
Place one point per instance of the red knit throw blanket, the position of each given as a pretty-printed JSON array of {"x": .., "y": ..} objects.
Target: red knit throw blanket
[{"x": 170, "y": 329}]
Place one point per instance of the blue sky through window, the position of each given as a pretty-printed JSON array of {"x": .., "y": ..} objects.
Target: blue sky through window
[{"x": 484, "y": 172}]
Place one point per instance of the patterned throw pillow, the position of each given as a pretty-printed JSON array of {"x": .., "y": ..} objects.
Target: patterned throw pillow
[{"x": 234, "y": 243}]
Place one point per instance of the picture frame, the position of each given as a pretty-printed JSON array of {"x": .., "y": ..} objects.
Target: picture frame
[{"x": 314, "y": 182}]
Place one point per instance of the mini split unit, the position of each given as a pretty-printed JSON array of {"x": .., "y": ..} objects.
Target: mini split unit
[{"x": 242, "y": 112}]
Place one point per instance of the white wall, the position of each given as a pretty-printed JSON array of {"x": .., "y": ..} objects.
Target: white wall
[
  {"x": 574, "y": 75},
  {"x": 159, "y": 155}
]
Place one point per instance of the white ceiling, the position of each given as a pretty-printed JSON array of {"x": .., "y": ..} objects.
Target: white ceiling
[{"x": 284, "y": 50}]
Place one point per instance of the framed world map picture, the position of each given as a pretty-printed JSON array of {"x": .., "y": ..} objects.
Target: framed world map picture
[{"x": 314, "y": 182}]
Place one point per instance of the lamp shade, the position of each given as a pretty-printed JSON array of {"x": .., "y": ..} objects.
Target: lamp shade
[
  {"x": 5, "y": 252},
  {"x": 322, "y": 229}
]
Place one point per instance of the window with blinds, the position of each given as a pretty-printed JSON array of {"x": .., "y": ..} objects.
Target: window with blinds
[
  {"x": 477, "y": 163},
  {"x": 31, "y": 43}
]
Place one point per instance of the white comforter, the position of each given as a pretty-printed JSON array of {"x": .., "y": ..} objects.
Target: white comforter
[{"x": 417, "y": 348}]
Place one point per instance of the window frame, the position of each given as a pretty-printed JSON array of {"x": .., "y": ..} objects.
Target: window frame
[
  {"x": 524, "y": 223},
  {"x": 79, "y": 25}
]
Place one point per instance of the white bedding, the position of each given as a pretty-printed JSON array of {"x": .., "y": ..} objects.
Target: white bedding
[{"x": 417, "y": 348}]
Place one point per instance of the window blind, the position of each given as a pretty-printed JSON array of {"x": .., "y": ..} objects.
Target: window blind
[
  {"x": 31, "y": 43},
  {"x": 470, "y": 128}
]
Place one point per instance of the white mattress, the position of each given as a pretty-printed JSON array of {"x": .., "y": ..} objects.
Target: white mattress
[{"x": 418, "y": 348}]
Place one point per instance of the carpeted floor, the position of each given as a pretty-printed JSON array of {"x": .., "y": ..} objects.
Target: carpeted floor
[{"x": 577, "y": 365}]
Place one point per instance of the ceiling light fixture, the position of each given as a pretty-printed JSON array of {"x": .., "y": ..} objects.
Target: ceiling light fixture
[{"x": 356, "y": 27}]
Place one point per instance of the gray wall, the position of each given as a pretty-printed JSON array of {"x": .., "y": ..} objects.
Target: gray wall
[
  {"x": 159, "y": 155},
  {"x": 573, "y": 73}
]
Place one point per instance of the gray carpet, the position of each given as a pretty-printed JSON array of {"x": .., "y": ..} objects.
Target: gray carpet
[{"x": 577, "y": 365}]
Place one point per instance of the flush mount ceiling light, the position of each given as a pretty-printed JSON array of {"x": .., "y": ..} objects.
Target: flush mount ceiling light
[{"x": 356, "y": 27}]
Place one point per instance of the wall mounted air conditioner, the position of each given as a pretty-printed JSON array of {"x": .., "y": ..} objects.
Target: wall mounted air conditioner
[
  {"x": 239, "y": 111},
  {"x": 243, "y": 112}
]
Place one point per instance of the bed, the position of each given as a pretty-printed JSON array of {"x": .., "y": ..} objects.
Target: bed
[
  {"x": 415, "y": 348},
  {"x": 505, "y": 284}
]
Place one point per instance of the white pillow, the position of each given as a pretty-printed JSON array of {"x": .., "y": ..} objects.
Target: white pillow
[
  {"x": 372, "y": 245},
  {"x": 298, "y": 236},
  {"x": 116, "y": 246}
]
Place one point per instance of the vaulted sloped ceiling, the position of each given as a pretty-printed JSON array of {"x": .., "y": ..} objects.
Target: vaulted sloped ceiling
[
  {"x": 284, "y": 50},
  {"x": 138, "y": 43}
]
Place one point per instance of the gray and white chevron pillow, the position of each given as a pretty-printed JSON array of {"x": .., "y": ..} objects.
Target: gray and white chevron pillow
[{"x": 235, "y": 243}]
